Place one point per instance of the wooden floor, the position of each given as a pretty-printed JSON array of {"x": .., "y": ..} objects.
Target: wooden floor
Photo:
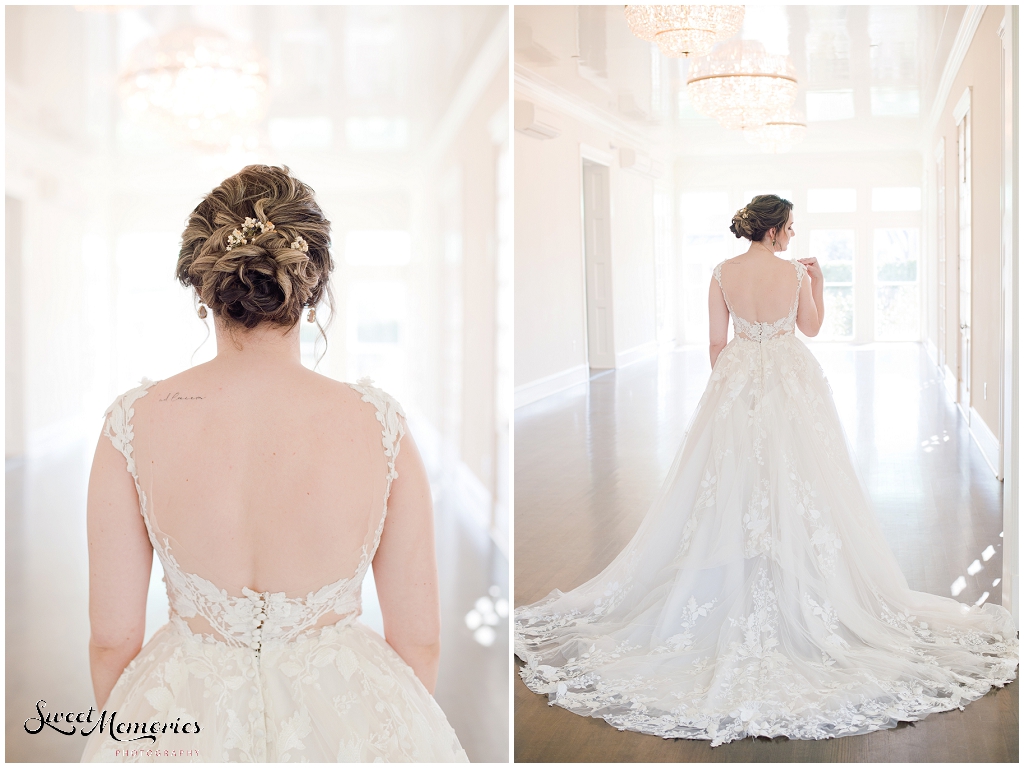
[{"x": 590, "y": 460}]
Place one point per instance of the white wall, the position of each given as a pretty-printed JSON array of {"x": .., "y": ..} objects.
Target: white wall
[{"x": 550, "y": 300}]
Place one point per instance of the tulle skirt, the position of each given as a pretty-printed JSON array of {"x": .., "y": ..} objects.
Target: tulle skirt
[
  {"x": 759, "y": 597},
  {"x": 338, "y": 695}
]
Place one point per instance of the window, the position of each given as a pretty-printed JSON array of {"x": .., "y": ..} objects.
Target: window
[
  {"x": 377, "y": 247},
  {"x": 830, "y": 105},
  {"x": 896, "y": 199},
  {"x": 375, "y": 325},
  {"x": 831, "y": 200},
  {"x": 896, "y": 285},
  {"x": 706, "y": 241},
  {"x": 834, "y": 248}
]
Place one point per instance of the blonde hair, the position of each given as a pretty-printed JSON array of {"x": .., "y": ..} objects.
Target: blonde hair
[{"x": 269, "y": 278}]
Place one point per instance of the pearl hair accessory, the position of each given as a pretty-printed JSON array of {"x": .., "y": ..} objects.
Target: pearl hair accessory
[
  {"x": 300, "y": 245},
  {"x": 247, "y": 234}
]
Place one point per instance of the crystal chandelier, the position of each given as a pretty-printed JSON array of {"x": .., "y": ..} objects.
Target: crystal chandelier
[
  {"x": 684, "y": 30},
  {"x": 780, "y": 133},
  {"x": 741, "y": 85},
  {"x": 208, "y": 89}
]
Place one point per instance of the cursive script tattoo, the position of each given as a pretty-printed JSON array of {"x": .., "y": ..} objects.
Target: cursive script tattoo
[{"x": 178, "y": 396}]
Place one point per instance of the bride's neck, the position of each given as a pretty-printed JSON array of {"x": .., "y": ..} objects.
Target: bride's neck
[{"x": 264, "y": 345}]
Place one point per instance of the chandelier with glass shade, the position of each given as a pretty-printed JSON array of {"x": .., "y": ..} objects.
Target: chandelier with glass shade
[
  {"x": 780, "y": 133},
  {"x": 741, "y": 85},
  {"x": 208, "y": 89},
  {"x": 684, "y": 30}
]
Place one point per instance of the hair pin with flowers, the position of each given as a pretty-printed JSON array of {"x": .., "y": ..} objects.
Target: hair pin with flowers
[
  {"x": 247, "y": 234},
  {"x": 300, "y": 245}
]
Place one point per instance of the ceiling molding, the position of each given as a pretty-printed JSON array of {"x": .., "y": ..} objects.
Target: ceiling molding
[
  {"x": 493, "y": 53},
  {"x": 964, "y": 35},
  {"x": 531, "y": 85}
]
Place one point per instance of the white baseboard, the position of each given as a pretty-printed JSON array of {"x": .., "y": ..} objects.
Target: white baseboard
[
  {"x": 986, "y": 440},
  {"x": 949, "y": 379},
  {"x": 636, "y": 354},
  {"x": 550, "y": 385}
]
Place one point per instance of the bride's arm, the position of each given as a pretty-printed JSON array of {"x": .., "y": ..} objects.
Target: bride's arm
[
  {"x": 405, "y": 569},
  {"x": 718, "y": 320},
  {"x": 120, "y": 561}
]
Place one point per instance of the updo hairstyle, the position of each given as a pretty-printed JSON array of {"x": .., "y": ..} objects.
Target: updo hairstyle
[
  {"x": 268, "y": 277},
  {"x": 764, "y": 212}
]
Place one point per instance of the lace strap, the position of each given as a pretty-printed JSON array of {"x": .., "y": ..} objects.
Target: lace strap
[
  {"x": 717, "y": 272},
  {"x": 801, "y": 270},
  {"x": 392, "y": 431},
  {"x": 117, "y": 422}
]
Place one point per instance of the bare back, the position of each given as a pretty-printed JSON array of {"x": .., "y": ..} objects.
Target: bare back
[
  {"x": 271, "y": 484},
  {"x": 760, "y": 289}
]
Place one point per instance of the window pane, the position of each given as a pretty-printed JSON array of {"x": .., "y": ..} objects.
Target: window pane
[
  {"x": 833, "y": 248},
  {"x": 896, "y": 254},
  {"x": 896, "y": 313},
  {"x": 896, "y": 199},
  {"x": 838, "y": 313},
  {"x": 377, "y": 247},
  {"x": 785, "y": 194},
  {"x": 830, "y": 105},
  {"x": 831, "y": 200}
]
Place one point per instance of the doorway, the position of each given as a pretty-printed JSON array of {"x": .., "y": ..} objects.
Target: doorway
[{"x": 598, "y": 266}]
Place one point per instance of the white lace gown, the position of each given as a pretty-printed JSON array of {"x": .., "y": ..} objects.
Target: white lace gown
[
  {"x": 759, "y": 597},
  {"x": 269, "y": 682}
]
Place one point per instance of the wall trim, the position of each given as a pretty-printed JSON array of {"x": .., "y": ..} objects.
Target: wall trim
[
  {"x": 595, "y": 155},
  {"x": 963, "y": 106},
  {"x": 636, "y": 354},
  {"x": 550, "y": 385},
  {"x": 961, "y": 43},
  {"x": 986, "y": 440},
  {"x": 530, "y": 84}
]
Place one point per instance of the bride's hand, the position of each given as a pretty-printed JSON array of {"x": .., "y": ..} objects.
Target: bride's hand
[{"x": 813, "y": 269}]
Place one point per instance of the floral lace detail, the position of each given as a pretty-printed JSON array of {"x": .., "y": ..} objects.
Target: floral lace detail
[
  {"x": 824, "y": 539},
  {"x": 757, "y": 523}
]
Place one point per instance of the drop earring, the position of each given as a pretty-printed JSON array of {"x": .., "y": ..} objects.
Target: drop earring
[
  {"x": 311, "y": 317},
  {"x": 202, "y": 312}
]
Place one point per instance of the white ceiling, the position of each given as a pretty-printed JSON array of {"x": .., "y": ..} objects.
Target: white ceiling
[{"x": 865, "y": 73}]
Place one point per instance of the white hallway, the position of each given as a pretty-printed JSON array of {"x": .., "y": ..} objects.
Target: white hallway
[{"x": 905, "y": 189}]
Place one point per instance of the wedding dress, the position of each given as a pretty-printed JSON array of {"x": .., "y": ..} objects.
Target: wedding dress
[
  {"x": 759, "y": 597},
  {"x": 268, "y": 680}
]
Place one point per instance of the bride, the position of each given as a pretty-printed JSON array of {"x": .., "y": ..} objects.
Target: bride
[
  {"x": 758, "y": 597},
  {"x": 267, "y": 491}
]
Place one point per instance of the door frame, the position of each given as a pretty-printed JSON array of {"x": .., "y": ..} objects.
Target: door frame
[
  {"x": 962, "y": 115},
  {"x": 592, "y": 154}
]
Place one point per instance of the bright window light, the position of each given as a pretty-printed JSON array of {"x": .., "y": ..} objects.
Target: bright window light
[
  {"x": 895, "y": 102},
  {"x": 831, "y": 200},
  {"x": 378, "y": 133},
  {"x": 896, "y": 199},
  {"x": 301, "y": 132},
  {"x": 830, "y": 105},
  {"x": 378, "y": 247}
]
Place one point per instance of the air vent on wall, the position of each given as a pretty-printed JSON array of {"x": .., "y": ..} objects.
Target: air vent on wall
[{"x": 526, "y": 122}]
